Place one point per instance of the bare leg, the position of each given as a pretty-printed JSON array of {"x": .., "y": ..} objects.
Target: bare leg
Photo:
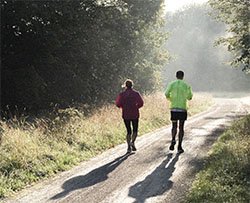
[
  {"x": 180, "y": 135},
  {"x": 174, "y": 132}
]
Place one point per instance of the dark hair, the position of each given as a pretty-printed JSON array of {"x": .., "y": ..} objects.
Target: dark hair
[
  {"x": 128, "y": 83},
  {"x": 180, "y": 74}
]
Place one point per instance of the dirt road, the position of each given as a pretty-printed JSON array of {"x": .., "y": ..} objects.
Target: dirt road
[{"x": 152, "y": 174}]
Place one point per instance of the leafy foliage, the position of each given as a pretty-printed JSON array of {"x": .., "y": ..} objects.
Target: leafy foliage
[
  {"x": 64, "y": 52},
  {"x": 235, "y": 13}
]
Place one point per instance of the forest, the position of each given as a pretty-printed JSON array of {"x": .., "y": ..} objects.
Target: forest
[{"x": 65, "y": 53}]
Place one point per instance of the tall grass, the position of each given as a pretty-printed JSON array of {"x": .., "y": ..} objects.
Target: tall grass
[
  {"x": 33, "y": 151},
  {"x": 226, "y": 176}
]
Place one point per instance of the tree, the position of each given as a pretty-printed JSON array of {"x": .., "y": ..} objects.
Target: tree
[
  {"x": 235, "y": 13},
  {"x": 77, "y": 51}
]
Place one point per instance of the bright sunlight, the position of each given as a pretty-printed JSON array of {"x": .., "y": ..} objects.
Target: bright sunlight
[{"x": 174, "y": 5}]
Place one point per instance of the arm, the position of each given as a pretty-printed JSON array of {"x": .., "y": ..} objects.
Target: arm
[
  {"x": 139, "y": 101},
  {"x": 118, "y": 101},
  {"x": 190, "y": 93},
  {"x": 168, "y": 91}
]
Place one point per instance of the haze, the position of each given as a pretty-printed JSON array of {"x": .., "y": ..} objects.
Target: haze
[
  {"x": 192, "y": 33},
  {"x": 174, "y": 5}
]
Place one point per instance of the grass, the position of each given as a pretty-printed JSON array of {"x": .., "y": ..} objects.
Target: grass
[
  {"x": 226, "y": 176},
  {"x": 34, "y": 151}
]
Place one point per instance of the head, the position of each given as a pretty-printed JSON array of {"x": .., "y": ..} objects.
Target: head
[
  {"x": 180, "y": 74},
  {"x": 128, "y": 84}
]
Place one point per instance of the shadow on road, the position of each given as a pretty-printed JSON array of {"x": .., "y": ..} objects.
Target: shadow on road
[
  {"x": 231, "y": 117},
  {"x": 197, "y": 164},
  {"x": 157, "y": 182},
  {"x": 96, "y": 176}
]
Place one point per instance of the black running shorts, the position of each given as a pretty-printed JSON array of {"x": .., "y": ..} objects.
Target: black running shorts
[{"x": 178, "y": 116}]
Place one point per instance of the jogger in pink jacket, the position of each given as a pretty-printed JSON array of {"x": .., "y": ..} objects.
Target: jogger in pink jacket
[{"x": 130, "y": 101}]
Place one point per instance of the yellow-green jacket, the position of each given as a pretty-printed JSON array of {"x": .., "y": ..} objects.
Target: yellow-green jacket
[{"x": 178, "y": 92}]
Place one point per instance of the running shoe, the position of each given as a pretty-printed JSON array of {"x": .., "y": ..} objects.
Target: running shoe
[
  {"x": 133, "y": 146},
  {"x": 180, "y": 150},
  {"x": 129, "y": 150},
  {"x": 172, "y": 145}
]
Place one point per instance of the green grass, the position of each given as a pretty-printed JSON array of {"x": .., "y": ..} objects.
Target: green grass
[
  {"x": 34, "y": 151},
  {"x": 226, "y": 176}
]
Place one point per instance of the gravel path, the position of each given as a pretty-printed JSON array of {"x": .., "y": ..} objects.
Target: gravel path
[{"x": 152, "y": 174}]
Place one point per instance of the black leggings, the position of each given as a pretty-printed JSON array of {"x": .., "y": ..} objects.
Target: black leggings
[{"x": 134, "y": 123}]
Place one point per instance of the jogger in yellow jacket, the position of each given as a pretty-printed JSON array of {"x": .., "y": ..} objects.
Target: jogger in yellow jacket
[{"x": 178, "y": 92}]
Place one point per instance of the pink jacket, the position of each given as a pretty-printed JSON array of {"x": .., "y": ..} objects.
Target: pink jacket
[{"x": 130, "y": 101}]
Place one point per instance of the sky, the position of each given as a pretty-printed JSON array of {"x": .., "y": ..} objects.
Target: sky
[{"x": 174, "y": 5}]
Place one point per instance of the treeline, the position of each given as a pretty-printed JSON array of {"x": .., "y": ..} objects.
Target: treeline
[
  {"x": 193, "y": 32},
  {"x": 235, "y": 14},
  {"x": 65, "y": 52}
]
